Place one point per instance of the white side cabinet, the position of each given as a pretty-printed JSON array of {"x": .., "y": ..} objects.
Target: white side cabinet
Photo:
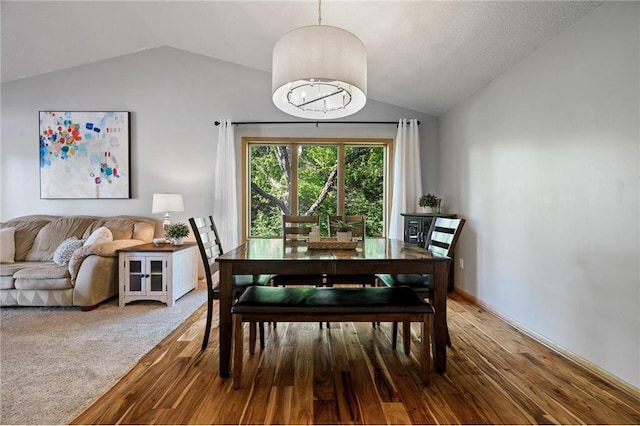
[{"x": 163, "y": 273}]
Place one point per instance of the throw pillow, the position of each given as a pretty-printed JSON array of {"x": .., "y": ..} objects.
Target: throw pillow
[
  {"x": 100, "y": 235},
  {"x": 65, "y": 250},
  {"x": 7, "y": 245}
]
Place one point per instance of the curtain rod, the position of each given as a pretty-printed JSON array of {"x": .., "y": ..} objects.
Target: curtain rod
[{"x": 238, "y": 123}]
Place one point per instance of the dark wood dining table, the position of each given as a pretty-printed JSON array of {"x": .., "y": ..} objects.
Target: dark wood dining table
[{"x": 372, "y": 256}]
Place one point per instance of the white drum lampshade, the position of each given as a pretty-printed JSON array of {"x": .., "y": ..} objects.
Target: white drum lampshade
[{"x": 319, "y": 73}]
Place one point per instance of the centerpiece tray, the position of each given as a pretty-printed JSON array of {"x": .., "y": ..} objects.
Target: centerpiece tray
[{"x": 332, "y": 243}]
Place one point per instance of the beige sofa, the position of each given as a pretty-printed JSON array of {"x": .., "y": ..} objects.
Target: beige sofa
[{"x": 91, "y": 275}]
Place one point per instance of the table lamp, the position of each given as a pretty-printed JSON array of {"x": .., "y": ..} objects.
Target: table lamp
[{"x": 166, "y": 203}]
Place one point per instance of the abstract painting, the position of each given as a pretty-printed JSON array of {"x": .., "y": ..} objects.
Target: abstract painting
[{"x": 84, "y": 154}]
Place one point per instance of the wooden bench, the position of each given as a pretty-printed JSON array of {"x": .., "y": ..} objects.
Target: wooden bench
[{"x": 312, "y": 304}]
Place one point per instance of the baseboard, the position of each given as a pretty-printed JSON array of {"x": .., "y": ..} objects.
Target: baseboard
[{"x": 576, "y": 359}]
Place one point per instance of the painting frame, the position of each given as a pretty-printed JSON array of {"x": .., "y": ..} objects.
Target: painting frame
[{"x": 84, "y": 154}]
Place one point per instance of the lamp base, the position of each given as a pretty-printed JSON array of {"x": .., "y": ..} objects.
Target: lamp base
[{"x": 165, "y": 225}]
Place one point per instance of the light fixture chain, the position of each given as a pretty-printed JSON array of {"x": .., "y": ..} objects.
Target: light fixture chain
[{"x": 319, "y": 12}]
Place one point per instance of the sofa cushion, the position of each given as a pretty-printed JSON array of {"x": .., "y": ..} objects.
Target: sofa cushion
[
  {"x": 27, "y": 228},
  {"x": 7, "y": 245},
  {"x": 125, "y": 227},
  {"x": 42, "y": 270},
  {"x": 7, "y": 270},
  {"x": 55, "y": 232},
  {"x": 65, "y": 250},
  {"x": 100, "y": 235},
  {"x": 144, "y": 231},
  {"x": 44, "y": 276},
  {"x": 46, "y": 284},
  {"x": 6, "y": 282}
]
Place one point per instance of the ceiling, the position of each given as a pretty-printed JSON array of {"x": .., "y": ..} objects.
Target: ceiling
[{"x": 423, "y": 55}]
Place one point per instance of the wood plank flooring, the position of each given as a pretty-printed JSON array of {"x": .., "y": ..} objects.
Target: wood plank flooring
[{"x": 348, "y": 374}]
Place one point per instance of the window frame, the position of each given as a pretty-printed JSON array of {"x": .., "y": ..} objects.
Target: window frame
[{"x": 294, "y": 142}]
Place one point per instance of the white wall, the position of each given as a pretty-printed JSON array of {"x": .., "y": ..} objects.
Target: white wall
[
  {"x": 174, "y": 98},
  {"x": 544, "y": 164}
]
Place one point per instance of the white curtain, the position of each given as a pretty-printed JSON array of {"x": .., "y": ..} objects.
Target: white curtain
[
  {"x": 407, "y": 176},
  {"x": 225, "y": 198}
]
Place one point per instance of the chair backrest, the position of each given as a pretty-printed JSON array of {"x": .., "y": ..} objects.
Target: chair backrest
[
  {"x": 297, "y": 227},
  {"x": 443, "y": 235},
  {"x": 208, "y": 241},
  {"x": 358, "y": 231}
]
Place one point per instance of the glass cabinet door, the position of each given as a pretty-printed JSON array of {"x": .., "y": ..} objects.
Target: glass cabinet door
[
  {"x": 156, "y": 275},
  {"x": 135, "y": 275}
]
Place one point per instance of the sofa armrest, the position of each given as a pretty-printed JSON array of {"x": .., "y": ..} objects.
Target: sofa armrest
[
  {"x": 109, "y": 248},
  {"x": 97, "y": 280},
  {"x": 106, "y": 249}
]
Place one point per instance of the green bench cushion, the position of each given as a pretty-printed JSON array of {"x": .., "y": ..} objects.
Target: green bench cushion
[{"x": 313, "y": 300}]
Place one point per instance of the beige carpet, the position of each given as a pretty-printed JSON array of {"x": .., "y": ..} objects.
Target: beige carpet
[{"x": 54, "y": 362}]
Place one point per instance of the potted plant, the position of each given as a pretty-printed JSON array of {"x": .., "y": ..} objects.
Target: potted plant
[
  {"x": 343, "y": 229},
  {"x": 429, "y": 203},
  {"x": 177, "y": 233}
]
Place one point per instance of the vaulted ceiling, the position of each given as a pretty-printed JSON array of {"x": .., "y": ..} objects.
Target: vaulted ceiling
[{"x": 423, "y": 55}]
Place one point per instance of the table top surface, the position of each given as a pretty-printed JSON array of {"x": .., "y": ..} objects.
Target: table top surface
[
  {"x": 150, "y": 247},
  {"x": 373, "y": 249}
]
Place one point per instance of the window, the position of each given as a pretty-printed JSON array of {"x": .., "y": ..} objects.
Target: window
[{"x": 314, "y": 177}]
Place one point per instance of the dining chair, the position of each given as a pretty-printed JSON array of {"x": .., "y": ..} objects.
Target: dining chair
[
  {"x": 358, "y": 232},
  {"x": 208, "y": 239},
  {"x": 297, "y": 228},
  {"x": 441, "y": 240}
]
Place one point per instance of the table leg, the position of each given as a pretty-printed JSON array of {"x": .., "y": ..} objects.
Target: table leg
[
  {"x": 439, "y": 326},
  {"x": 226, "y": 300}
]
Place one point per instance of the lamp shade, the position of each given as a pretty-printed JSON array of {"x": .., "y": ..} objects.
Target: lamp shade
[
  {"x": 319, "y": 72},
  {"x": 163, "y": 203}
]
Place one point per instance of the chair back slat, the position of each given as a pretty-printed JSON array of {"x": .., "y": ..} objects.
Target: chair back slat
[
  {"x": 297, "y": 230},
  {"x": 296, "y": 227},
  {"x": 443, "y": 235},
  {"x": 211, "y": 253},
  {"x": 441, "y": 239}
]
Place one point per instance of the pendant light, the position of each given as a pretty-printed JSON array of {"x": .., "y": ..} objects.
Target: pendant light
[{"x": 319, "y": 72}]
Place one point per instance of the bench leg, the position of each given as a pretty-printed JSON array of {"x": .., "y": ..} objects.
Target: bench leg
[
  {"x": 426, "y": 350},
  {"x": 252, "y": 338},
  {"x": 394, "y": 335},
  {"x": 406, "y": 337},
  {"x": 261, "y": 326},
  {"x": 237, "y": 351}
]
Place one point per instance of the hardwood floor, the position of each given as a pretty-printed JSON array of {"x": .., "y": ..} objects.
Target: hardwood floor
[{"x": 348, "y": 374}]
